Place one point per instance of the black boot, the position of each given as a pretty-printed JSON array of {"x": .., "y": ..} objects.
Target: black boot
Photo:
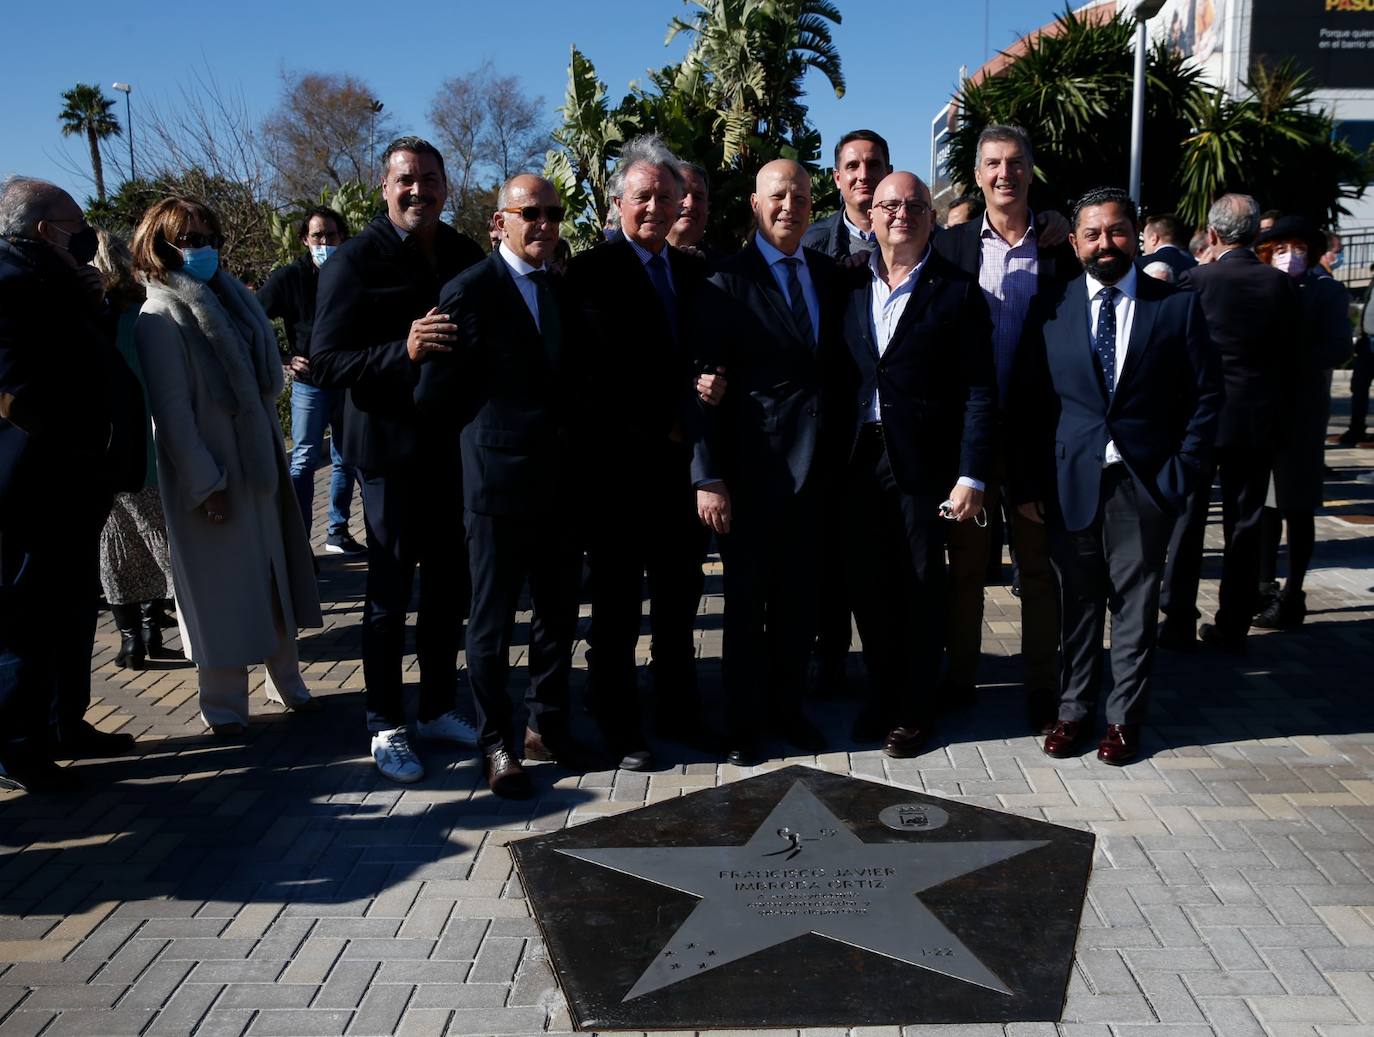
[
  {"x": 157, "y": 612},
  {"x": 131, "y": 653},
  {"x": 152, "y": 635},
  {"x": 1287, "y": 612}
]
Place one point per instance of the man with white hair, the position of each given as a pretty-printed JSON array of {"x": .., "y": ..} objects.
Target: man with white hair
[
  {"x": 71, "y": 435},
  {"x": 641, "y": 301}
]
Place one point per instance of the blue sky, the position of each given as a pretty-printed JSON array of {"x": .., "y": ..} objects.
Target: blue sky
[{"x": 901, "y": 59}]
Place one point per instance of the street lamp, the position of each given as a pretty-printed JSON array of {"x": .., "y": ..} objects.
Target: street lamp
[
  {"x": 1142, "y": 11},
  {"x": 126, "y": 90}
]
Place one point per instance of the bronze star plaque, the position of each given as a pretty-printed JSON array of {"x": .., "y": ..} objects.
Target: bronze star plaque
[{"x": 804, "y": 898}]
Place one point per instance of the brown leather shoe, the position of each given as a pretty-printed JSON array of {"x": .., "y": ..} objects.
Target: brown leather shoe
[
  {"x": 1120, "y": 744},
  {"x": 562, "y": 750},
  {"x": 905, "y": 742},
  {"x": 506, "y": 777},
  {"x": 1066, "y": 738}
]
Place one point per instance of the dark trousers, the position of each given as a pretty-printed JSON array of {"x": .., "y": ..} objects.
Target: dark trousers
[
  {"x": 1361, "y": 375},
  {"x": 897, "y": 583},
  {"x": 1244, "y": 475},
  {"x": 503, "y": 553},
  {"x": 1112, "y": 564},
  {"x": 413, "y": 518},
  {"x": 650, "y": 530},
  {"x": 770, "y": 608},
  {"x": 48, "y": 612}
]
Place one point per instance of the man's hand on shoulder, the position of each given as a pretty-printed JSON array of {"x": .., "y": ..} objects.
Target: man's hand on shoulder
[
  {"x": 432, "y": 333},
  {"x": 1051, "y": 229}
]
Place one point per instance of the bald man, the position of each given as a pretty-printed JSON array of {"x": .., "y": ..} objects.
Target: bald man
[
  {"x": 770, "y": 459},
  {"x": 919, "y": 449}
]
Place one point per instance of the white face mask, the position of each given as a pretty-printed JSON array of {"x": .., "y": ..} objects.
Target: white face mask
[
  {"x": 320, "y": 253},
  {"x": 1292, "y": 263}
]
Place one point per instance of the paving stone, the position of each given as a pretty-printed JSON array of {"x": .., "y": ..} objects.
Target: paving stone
[{"x": 305, "y": 1022}]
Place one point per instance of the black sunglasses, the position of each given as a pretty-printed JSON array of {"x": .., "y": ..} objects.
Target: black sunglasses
[
  {"x": 530, "y": 213},
  {"x": 194, "y": 239}
]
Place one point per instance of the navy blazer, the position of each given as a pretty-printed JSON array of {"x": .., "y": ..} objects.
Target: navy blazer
[
  {"x": 935, "y": 380},
  {"x": 515, "y": 406},
  {"x": 785, "y": 413},
  {"x": 1162, "y": 416},
  {"x": 1176, "y": 259}
]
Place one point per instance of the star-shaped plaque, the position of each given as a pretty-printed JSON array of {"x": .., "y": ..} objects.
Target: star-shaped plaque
[
  {"x": 803, "y": 871},
  {"x": 800, "y": 898}
]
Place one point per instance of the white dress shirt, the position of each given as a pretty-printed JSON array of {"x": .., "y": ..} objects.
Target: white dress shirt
[
  {"x": 774, "y": 258},
  {"x": 520, "y": 271},
  {"x": 1125, "y": 317}
]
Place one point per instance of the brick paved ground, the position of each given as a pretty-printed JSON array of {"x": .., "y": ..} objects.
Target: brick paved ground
[{"x": 280, "y": 886}]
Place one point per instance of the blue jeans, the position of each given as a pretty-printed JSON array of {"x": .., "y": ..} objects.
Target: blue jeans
[{"x": 312, "y": 409}]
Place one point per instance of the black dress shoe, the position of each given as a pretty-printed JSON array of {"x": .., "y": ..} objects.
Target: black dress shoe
[
  {"x": 1066, "y": 738},
  {"x": 1285, "y": 612},
  {"x": 801, "y": 734},
  {"x": 81, "y": 741},
  {"x": 1120, "y": 744},
  {"x": 506, "y": 777},
  {"x": 744, "y": 754},
  {"x": 1212, "y": 636},
  {"x": 906, "y": 741},
  {"x": 636, "y": 760},
  {"x": 28, "y": 770},
  {"x": 1042, "y": 710}
]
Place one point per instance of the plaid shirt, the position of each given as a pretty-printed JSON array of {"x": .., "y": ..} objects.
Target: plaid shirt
[{"x": 1008, "y": 275}]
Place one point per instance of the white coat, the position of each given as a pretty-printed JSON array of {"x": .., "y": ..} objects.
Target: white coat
[{"x": 213, "y": 372}]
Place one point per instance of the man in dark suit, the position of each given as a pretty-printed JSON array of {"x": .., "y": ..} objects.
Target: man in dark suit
[
  {"x": 1117, "y": 410},
  {"x": 72, "y": 434},
  {"x": 1165, "y": 240},
  {"x": 1019, "y": 275},
  {"x": 512, "y": 385},
  {"x": 376, "y": 324},
  {"x": 1253, "y": 313},
  {"x": 919, "y": 334},
  {"x": 642, "y": 307},
  {"x": 770, "y": 456}
]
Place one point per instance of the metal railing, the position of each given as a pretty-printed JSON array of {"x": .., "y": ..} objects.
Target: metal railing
[{"x": 1359, "y": 256}]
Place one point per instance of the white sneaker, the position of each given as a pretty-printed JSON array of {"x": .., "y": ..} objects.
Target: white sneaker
[
  {"x": 392, "y": 753},
  {"x": 449, "y": 727}
]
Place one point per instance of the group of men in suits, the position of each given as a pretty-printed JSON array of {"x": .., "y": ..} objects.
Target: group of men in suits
[{"x": 878, "y": 406}]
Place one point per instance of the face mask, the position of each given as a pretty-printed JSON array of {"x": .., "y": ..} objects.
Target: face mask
[
  {"x": 200, "y": 263},
  {"x": 1338, "y": 261},
  {"x": 1294, "y": 264},
  {"x": 320, "y": 253},
  {"x": 82, "y": 244}
]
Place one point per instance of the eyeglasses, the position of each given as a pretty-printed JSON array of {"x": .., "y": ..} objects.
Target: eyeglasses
[
  {"x": 531, "y": 213},
  {"x": 913, "y": 209},
  {"x": 195, "y": 239}
]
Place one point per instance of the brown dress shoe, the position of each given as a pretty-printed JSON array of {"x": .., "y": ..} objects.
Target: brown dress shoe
[
  {"x": 505, "y": 776},
  {"x": 1065, "y": 738},
  {"x": 905, "y": 742},
  {"x": 1120, "y": 744},
  {"x": 560, "y": 749}
]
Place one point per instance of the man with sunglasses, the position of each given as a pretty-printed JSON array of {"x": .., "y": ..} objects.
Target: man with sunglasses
[
  {"x": 376, "y": 325},
  {"x": 919, "y": 334},
  {"x": 643, "y": 304},
  {"x": 512, "y": 385}
]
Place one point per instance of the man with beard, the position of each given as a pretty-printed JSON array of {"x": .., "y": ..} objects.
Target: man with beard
[
  {"x": 377, "y": 323},
  {"x": 1117, "y": 411}
]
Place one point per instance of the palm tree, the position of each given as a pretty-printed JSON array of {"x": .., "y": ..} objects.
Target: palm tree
[
  {"x": 87, "y": 110},
  {"x": 754, "y": 55}
]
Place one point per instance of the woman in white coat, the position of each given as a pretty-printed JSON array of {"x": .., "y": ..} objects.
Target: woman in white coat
[{"x": 241, "y": 564}]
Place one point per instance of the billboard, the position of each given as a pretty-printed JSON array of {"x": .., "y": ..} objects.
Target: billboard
[
  {"x": 1333, "y": 39},
  {"x": 1197, "y": 30}
]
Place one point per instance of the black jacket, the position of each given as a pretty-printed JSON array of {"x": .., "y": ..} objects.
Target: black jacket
[
  {"x": 1254, "y": 317},
  {"x": 829, "y": 235},
  {"x": 1176, "y": 259},
  {"x": 290, "y": 294},
  {"x": 786, "y": 415},
  {"x": 370, "y": 292},
  {"x": 515, "y": 405},
  {"x": 934, "y": 381},
  {"x": 72, "y": 417}
]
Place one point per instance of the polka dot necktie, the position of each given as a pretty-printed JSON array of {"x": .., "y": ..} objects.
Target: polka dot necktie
[{"x": 1104, "y": 339}]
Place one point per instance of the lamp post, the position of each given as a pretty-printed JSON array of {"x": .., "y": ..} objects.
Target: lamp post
[
  {"x": 374, "y": 106},
  {"x": 1142, "y": 11},
  {"x": 126, "y": 90}
]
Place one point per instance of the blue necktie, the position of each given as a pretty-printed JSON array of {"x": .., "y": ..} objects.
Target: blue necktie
[
  {"x": 1104, "y": 340},
  {"x": 658, "y": 274},
  {"x": 796, "y": 300}
]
